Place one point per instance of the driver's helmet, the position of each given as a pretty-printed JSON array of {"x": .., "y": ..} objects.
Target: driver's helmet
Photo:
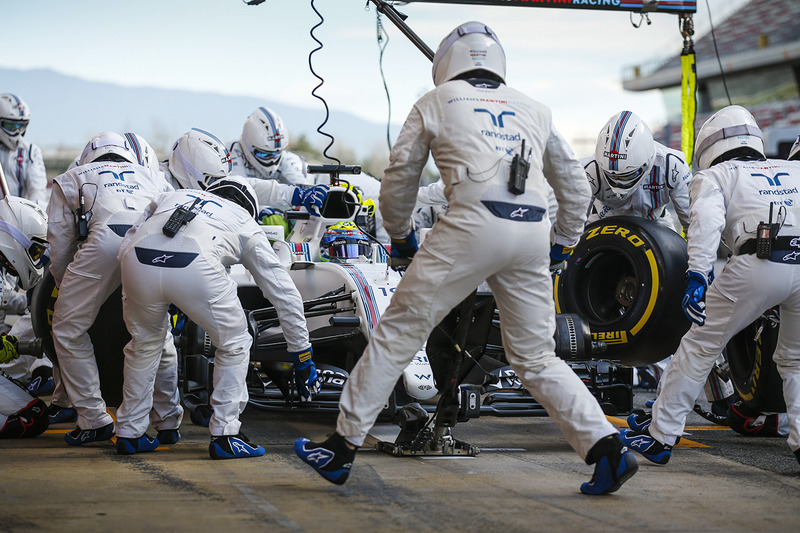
[{"x": 344, "y": 240}]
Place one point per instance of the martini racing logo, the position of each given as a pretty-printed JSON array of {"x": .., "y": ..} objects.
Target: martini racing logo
[
  {"x": 653, "y": 186},
  {"x": 613, "y": 154}
]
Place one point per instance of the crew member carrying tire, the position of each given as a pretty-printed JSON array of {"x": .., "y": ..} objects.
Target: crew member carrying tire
[{"x": 753, "y": 204}]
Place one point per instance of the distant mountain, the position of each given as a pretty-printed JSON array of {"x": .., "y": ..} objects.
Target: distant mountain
[{"x": 67, "y": 111}]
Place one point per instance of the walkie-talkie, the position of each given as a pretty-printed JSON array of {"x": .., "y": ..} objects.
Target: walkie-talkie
[
  {"x": 520, "y": 166},
  {"x": 82, "y": 218},
  {"x": 179, "y": 218},
  {"x": 765, "y": 234}
]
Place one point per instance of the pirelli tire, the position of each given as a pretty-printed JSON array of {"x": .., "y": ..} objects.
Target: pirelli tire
[
  {"x": 626, "y": 279},
  {"x": 108, "y": 334},
  {"x": 753, "y": 372}
]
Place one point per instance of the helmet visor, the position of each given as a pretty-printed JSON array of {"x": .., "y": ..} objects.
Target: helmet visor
[
  {"x": 627, "y": 179},
  {"x": 348, "y": 248},
  {"x": 266, "y": 157},
  {"x": 13, "y": 127}
]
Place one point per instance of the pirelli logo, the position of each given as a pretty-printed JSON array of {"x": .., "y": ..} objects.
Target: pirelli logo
[{"x": 611, "y": 337}]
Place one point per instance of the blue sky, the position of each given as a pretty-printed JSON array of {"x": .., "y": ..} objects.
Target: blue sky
[{"x": 570, "y": 60}]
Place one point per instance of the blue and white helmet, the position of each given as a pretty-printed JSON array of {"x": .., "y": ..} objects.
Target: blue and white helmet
[
  {"x": 105, "y": 145},
  {"x": 198, "y": 159},
  {"x": 470, "y": 46},
  {"x": 145, "y": 155},
  {"x": 14, "y": 118},
  {"x": 23, "y": 239},
  {"x": 264, "y": 138},
  {"x": 625, "y": 152},
  {"x": 731, "y": 129}
]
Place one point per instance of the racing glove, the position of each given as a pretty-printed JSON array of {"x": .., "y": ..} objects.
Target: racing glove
[
  {"x": 8, "y": 351},
  {"x": 309, "y": 198},
  {"x": 404, "y": 248},
  {"x": 271, "y": 217},
  {"x": 559, "y": 253},
  {"x": 694, "y": 305},
  {"x": 305, "y": 373}
]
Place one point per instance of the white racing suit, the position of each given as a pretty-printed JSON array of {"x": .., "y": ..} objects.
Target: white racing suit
[
  {"x": 25, "y": 172},
  {"x": 667, "y": 181},
  {"x": 87, "y": 273},
  {"x": 189, "y": 270},
  {"x": 730, "y": 199},
  {"x": 487, "y": 234},
  {"x": 270, "y": 193},
  {"x": 291, "y": 168}
]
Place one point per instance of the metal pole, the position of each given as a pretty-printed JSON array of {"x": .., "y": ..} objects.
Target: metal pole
[{"x": 398, "y": 19}]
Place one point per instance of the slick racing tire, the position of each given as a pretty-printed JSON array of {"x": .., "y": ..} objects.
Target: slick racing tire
[
  {"x": 753, "y": 372},
  {"x": 108, "y": 334},
  {"x": 625, "y": 278}
]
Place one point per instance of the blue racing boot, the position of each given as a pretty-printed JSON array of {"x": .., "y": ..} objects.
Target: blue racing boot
[
  {"x": 79, "y": 436},
  {"x": 331, "y": 459},
  {"x": 201, "y": 415},
  {"x": 639, "y": 420},
  {"x": 130, "y": 445},
  {"x": 233, "y": 447},
  {"x": 168, "y": 436},
  {"x": 614, "y": 465},
  {"x": 57, "y": 414},
  {"x": 41, "y": 385},
  {"x": 649, "y": 447}
]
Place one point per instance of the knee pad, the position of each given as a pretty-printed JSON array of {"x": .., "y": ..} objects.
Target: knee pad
[
  {"x": 29, "y": 422},
  {"x": 751, "y": 422}
]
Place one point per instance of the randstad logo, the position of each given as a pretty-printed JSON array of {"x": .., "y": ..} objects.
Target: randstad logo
[
  {"x": 120, "y": 176},
  {"x": 497, "y": 120}
]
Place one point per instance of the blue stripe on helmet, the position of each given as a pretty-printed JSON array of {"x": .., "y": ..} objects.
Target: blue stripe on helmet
[
  {"x": 227, "y": 153},
  {"x": 616, "y": 138},
  {"x": 136, "y": 147},
  {"x": 274, "y": 127},
  {"x": 18, "y": 104}
]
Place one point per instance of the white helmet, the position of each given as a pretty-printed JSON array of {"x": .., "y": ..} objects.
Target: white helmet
[
  {"x": 14, "y": 118},
  {"x": 731, "y": 128},
  {"x": 198, "y": 158},
  {"x": 471, "y": 46},
  {"x": 145, "y": 155},
  {"x": 107, "y": 146},
  {"x": 23, "y": 239},
  {"x": 794, "y": 151},
  {"x": 263, "y": 139},
  {"x": 237, "y": 190},
  {"x": 625, "y": 152}
]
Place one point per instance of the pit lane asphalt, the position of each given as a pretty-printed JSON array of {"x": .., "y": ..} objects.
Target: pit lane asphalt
[{"x": 526, "y": 478}]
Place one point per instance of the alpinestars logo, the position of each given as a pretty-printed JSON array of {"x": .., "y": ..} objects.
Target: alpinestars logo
[
  {"x": 321, "y": 457},
  {"x": 519, "y": 212},
  {"x": 641, "y": 443},
  {"x": 239, "y": 446},
  {"x": 162, "y": 259}
]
